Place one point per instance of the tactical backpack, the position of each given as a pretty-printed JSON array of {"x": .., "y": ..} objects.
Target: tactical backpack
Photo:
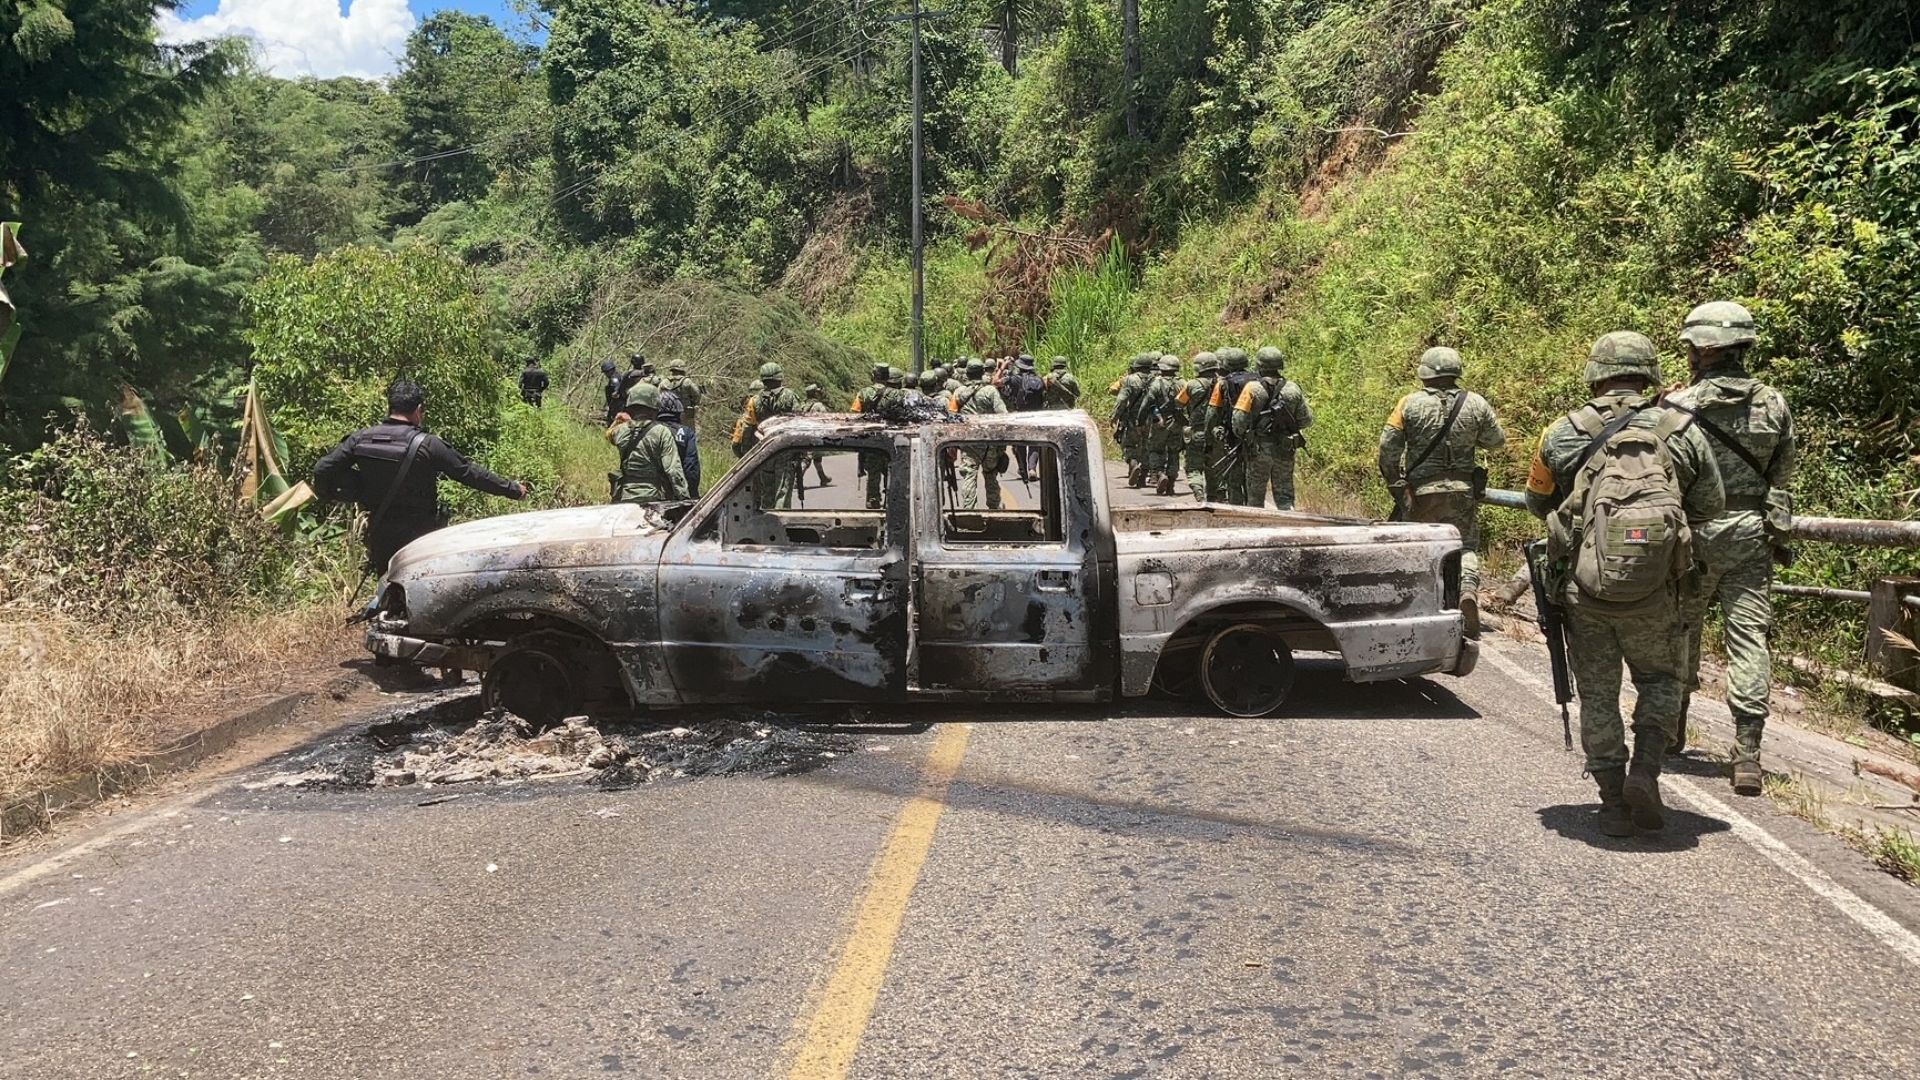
[
  {"x": 1622, "y": 531},
  {"x": 1269, "y": 420},
  {"x": 1024, "y": 392}
]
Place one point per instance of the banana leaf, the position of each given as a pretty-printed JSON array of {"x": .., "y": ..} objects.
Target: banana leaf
[
  {"x": 142, "y": 432},
  {"x": 10, "y": 252}
]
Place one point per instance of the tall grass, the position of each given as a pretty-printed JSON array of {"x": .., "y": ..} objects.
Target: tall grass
[{"x": 1088, "y": 308}]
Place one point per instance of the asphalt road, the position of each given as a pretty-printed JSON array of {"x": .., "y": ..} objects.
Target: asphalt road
[{"x": 1396, "y": 880}]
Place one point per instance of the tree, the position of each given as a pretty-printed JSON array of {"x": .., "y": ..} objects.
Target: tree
[{"x": 461, "y": 92}]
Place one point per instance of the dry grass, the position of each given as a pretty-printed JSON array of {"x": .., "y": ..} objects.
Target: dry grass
[{"x": 74, "y": 700}]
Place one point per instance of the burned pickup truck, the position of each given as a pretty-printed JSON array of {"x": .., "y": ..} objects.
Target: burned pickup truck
[{"x": 774, "y": 588}]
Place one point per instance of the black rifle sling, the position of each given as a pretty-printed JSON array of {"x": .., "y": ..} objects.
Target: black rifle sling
[
  {"x": 1721, "y": 436},
  {"x": 1459, "y": 402},
  {"x": 400, "y": 477}
]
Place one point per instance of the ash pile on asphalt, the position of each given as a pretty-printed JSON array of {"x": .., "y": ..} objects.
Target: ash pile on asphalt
[{"x": 450, "y": 741}]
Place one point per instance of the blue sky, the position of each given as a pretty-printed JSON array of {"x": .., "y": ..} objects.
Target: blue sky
[{"x": 321, "y": 37}]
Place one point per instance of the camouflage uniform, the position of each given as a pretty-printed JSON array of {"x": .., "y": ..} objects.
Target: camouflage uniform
[
  {"x": 770, "y": 489},
  {"x": 1735, "y": 547},
  {"x": 874, "y": 399},
  {"x": 816, "y": 403},
  {"x": 1060, "y": 389},
  {"x": 1273, "y": 436},
  {"x": 682, "y": 386},
  {"x": 1193, "y": 398},
  {"x": 1164, "y": 421},
  {"x": 1650, "y": 643},
  {"x": 650, "y": 469},
  {"x": 1231, "y": 484},
  {"x": 978, "y": 467},
  {"x": 1126, "y": 401},
  {"x": 1441, "y": 488}
]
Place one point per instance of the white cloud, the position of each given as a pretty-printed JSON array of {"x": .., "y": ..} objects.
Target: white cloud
[{"x": 307, "y": 37}]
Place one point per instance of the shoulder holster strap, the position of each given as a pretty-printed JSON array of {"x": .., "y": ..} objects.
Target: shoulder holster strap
[
  {"x": 1453, "y": 414},
  {"x": 399, "y": 477}
]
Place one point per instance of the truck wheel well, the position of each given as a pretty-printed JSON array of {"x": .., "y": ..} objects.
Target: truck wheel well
[
  {"x": 596, "y": 672},
  {"x": 1177, "y": 671}
]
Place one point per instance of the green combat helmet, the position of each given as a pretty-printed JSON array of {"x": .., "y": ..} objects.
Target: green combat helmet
[
  {"x": 770, "y": 374},
  {"x": 1271, "y": 360},
  {"x": 1232, "y": 359},
  {"x": 976, "y": 369},
  {"x": 1721, "y": 324},
  {"x": 1623, "y": 352},
  {"x": 1205, "y": 362},
  {"x": 880, "y": 373},
  {"x": 930, "y": 381},
  {"x": 644, "y": 395},
  {"x": 1059, "y": 363},
  {"x": 813, "y": 390},
  {"x": 1143, "y": 361},
  {"x": 1440, "y": 362},
  {"x": 1169, "y": 364}
]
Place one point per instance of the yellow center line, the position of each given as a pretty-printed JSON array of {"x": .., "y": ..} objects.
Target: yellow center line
[{"x": 832, "y": 1034}]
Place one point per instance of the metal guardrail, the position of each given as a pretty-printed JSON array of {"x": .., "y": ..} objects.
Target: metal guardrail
[{"x": 1893, "y": 604}]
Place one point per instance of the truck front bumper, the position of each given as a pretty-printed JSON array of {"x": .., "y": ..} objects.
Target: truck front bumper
[{"x": 388, "y": 646}]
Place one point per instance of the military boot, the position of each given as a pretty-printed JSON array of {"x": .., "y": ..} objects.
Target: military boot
[
  {"x": 1137, "y": 477},
  {"x": 1643, "y": 779},
  {"x": 1613, "y": 818},
  {"x": 1747, "y": 774},
  {"x": 1470, "y": 615},
  {"x": 1165, "y": 486},
  {"x": 1678, "y": 744}
]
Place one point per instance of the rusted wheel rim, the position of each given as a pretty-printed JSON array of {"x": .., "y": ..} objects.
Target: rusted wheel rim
[
  {"x": 1247, "y": 670},
  {"x": 533, "y": 685}
]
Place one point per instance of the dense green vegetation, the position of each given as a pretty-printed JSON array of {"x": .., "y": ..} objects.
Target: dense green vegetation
[{"x": 726, "y": 180}]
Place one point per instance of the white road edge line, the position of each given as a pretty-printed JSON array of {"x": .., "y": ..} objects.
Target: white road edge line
[{"x": 1904, "y": 942}]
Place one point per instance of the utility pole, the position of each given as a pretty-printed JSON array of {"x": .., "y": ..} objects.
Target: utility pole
[
  {"x": 1130, "y": 57},
  {"x": 919, "y": 241}
]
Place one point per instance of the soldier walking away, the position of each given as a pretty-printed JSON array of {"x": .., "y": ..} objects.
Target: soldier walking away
[
  {"x": 933, "y": 388},
  {"x": 1621, "y": 482},
  {"x": 1231, "y": 459},
  {"x": 1750, "y": 429},
  {"x": 1193, "y": 397},
  {"x": 773, "y": 399},
  {"x": 978, "y": 466},
  {"x": 816, "y": 403},
  {"x": 1126, "y": 400},
  {"x": 1022, "y": 390},
  {"x": 1269, "y": 417},
  {"x": 1164, "y": 422},
  {"x": 1058, "y": 388},
  {"x": 392, "y": 471},
  {"x": 684, "y": 437},
  {"x": 615, "y": 399},
  {"x": 636, "y": 373},
  {"x": 652, "y": 468},
  {"x": 872, "y": 401},
  {"x": 533, "y": 383},
  {"x": 1427, "y": 458},
  {"x": 681, "y": 385}
]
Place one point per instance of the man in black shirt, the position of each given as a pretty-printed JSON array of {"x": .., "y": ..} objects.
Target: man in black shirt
[
  {"x": 533, "y": 384},
  {"x": 392, "y": 470}
]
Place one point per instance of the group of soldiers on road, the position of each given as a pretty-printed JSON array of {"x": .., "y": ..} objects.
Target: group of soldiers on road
[{"x": 1658, "y": 504}]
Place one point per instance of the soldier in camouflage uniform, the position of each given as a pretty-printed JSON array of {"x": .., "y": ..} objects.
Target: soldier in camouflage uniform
[
  {"x": 816, "y": 403},
  {"x": 932, "y": 389},
  {"x": 1193, "y": 397},
  {"x": 981, "y": 466},
  {"x": 774, "y": 399},
  {"x": 1622, "y": 370},
  {"x": 1272, "y": 413},
  {"x": 1059, "y": 389},
  {"x": 1427, "y": 459},
  {"x": 873, "y": 400},
  {"x": 682, "y": 386},
  {"x": 650, "y": 469},
  {"x": 1750, "y": 429},
  {"x": 1159, "y": 414},
  {"x": 1126, "y": 400},
  {"x": 1231, "y": 484},
  {"x": 950, "y": 377}
]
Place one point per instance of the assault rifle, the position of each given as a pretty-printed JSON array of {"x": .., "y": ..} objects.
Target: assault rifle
[{"x": 1553, "y": 625}]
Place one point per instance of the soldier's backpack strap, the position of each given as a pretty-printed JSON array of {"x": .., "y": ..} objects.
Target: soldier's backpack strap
[
  {"x": 1453, "y": 415},
  {"x": 1597, "y": 440},
  {"x": 1721, "y": 436},
  {"x": 399, "y": 477}
]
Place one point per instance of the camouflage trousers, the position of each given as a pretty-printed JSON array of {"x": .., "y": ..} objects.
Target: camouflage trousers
[
  {"x": 875, "y": 467},
  {"x": 1739, "y": 573},
  {"x": 1199, "y": 478},
  {"x": 977, "y": 468},
  {"x": 773, "y": 487},
  {"x": 1163, "y": 450},
  {"x": 1650, "y": 645},
  {"x": 1462, "y": 511},
  {"x": 1267, "y": 465}
]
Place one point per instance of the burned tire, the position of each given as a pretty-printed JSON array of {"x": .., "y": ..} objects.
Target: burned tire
[
  {"x": 533, "y": 684},
  {"x": 1247, "y": 670}
]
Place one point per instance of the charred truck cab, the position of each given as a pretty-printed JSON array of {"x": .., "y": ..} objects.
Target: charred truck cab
[{"x": 769, "y": 591}]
